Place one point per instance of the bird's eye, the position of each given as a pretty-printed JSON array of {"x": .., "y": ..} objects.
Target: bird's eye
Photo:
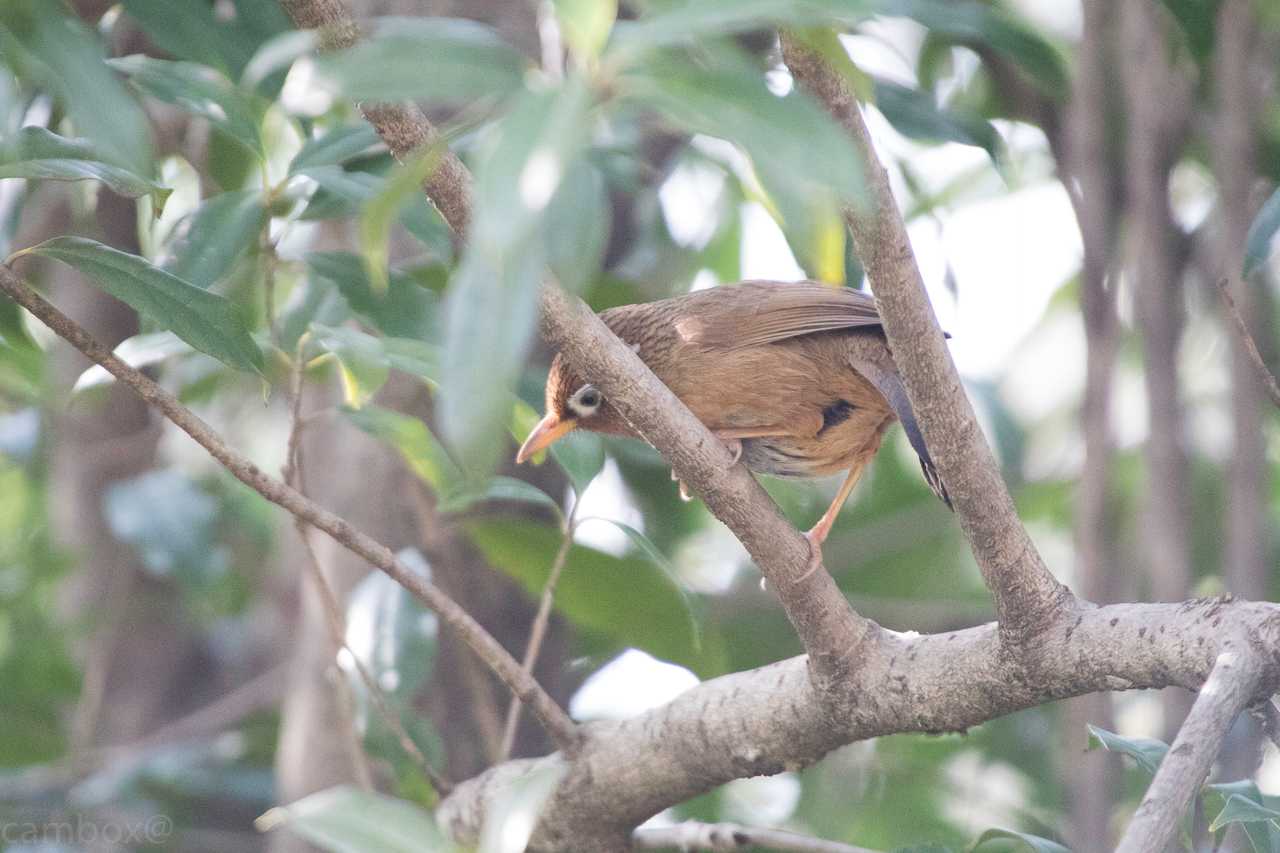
[{"x": 586, "y": 401}]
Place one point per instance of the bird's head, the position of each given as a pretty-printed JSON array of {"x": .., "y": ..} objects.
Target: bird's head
[{"x": 571, "y": 404}]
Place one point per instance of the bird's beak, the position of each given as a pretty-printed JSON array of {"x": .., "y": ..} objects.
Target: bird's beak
[{"x": 549, "y": 430}]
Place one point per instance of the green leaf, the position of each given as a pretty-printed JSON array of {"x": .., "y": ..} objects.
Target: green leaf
[
  {"x": 444, "y": 60},
  {"x": 586, "y": 24},
  {"x": 205, "y": 320},
  {"x": 383, "y": 208},
  {"x": 806, "y": 164},
  {"x": 1240, "y": 809},
  {"x": 346, "y": 820},
  {"x": 694, "y": 20},
  {"x": 501, "y": 489},
  {"x": 59, "y": 54},
  {"x": 361, "y": 359},
  {"x": 215, "y": 236},
  {"x": 1024, "y": 840},
  {"x": 581, "y": 455},
  {"x": 971, "y": 22},
  {"x": 1147, "y": 752},
  {"x": 200, "y": 91},
  {"x": 1257, "y": 245},
  {"x": 191, "y": 31},
  {"x": 414, "y": 357},
  {"x": 1263, "y": 836},
  {"x": 625, "y": 598},
  {"x": 513, "y": 815},
  {"x": 335, "y": 147},
  {"x": 490, "y": 304},
  {"x": 640, "y": 541},
  {"x": 425, "y": 456},
  {"x": 34, "y": 152},
  {"x": 914, "y": 114},
  {"x": 407, "y": 309},
  {"x": 419, "y": 217},
  {"x": 576, "y": 228}
]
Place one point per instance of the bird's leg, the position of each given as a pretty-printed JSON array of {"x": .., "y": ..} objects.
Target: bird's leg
[{"x": 819, "y": 532}]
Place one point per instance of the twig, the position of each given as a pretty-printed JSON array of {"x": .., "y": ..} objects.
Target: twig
[
  {"x": 346, "y": 706},
  {"x": 554, "y": 719},
  {"x": 694, "y": 835},
  {"x": 1027, "y": 596},
  {"x": 538, "y": 630},
  {"x": 1265, "y": 375},
  {"x": 293, "y": 474},
  {"x": 1230, "y": 686}
]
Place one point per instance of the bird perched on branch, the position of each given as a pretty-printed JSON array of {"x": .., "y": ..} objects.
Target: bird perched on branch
[{"x": 795, "y": 378}]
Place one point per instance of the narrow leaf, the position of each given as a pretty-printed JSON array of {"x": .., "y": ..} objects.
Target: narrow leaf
[
  {"x": 586, "y": 24},
  {"x": 138, "y": 351},
  {"x": 205, "y": 320},
  {"x": 335, "y": 147},
  {"x": 210, "y": 241},
  {"x": 625, "y": 598},
  {"x": 1257, "y": 246},
  {"x": 439, "y": 59},
  {"x": 1034, "y": 843},
  {"x": 406, "y": 310},
  {"x": 362, "y": 361},
  {"x": 693, "y": 20},
  {"x": 346, "y": 820},
  {"x": 1240, "y": 809},
  {"x": 34, "y": 152},
  {"x": 201, "y": 91},
  {"x": 501, "y": 489},
  {"x": 425, "y": 456},
  {"x": 1147, "y": 752}
]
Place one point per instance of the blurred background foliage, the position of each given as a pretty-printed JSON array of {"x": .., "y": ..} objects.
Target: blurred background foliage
[{"x": 160, "y": 653}]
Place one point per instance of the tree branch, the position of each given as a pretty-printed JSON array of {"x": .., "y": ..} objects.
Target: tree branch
[
  {"x": 694, "y": 835},
  {"x": 1027, "y": 597},
  {"x": 553, "y": 717},
  {"x": 770, "y": 719},
  {"x": 1231, "y": 686}
]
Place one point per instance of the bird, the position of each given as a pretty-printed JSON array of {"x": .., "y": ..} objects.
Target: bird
[{"x": 796, "y": 378}]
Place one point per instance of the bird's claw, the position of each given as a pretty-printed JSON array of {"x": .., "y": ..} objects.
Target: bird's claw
[{"x": 815, "y": 538}]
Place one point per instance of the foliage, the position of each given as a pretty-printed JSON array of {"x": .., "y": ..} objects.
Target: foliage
[{"x": 233, "y": 291}]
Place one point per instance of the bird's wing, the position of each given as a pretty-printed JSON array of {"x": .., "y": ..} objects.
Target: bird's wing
[
  {"x": 889, "y": 383},
  {"x": 756, "y": 312}
]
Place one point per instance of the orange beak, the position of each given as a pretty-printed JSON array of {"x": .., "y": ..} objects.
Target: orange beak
[{"x": 549, "y": 430}]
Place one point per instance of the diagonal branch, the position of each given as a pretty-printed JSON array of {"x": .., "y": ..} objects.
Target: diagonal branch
[
  {"x": 1027, "y": 596},
  {"x": 831, "y": 631},
  {"x": 1250, "y": 345},
  {"x": 553, "y": 717},
  {"x": 1230, "y": 687}
]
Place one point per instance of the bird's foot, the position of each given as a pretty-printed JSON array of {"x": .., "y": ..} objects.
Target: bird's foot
[
  {"x": 684, "y": 490},
  {"x": 734, "y": 446},
  {"x": 815, "y": 536}
]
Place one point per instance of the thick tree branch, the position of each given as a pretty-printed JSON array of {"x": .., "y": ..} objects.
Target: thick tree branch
[
  {"x": 1231, "y": 686},
  {"x": 831, "y": 631},
  {"x": 693, "y": 835},
  {"x": 1027, "y": 597},
  {"x": 770, "y": 719},
  {"x": 553, "y": 717}
]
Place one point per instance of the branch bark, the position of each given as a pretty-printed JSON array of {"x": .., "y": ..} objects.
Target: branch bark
[
  {"x": 1231, "y": 686},
  {"x": 1027, "y": 597},
  {"x": 553, "y": 717}
]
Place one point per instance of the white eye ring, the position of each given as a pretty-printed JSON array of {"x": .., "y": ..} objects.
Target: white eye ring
[{"x": 585, "y": 401}]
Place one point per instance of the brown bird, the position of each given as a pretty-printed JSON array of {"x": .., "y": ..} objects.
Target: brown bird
[{"x": 796, "y": 379}]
